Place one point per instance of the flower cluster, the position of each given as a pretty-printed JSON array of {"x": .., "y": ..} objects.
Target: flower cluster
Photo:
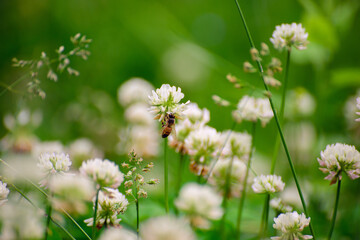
[
  {"x": 166, "y": 100},
  {"x": 338, "y": 158},
  {"x": 237, "y": 176},
  {"x": 200, "y": 203},
  {"x": 117, "y": 234},
  {"x": 110, "y": 203},
  {"x": 289, "y": 35},
  {"x": 291, "y": 225},
  {"x": 279, "y": 206},
  {"x": 268, "y": 184},
  {"x": 252, "y": 109},
  {"x": 167, "y": 227},
  {"x": 237, "y": 145},
  {"x": 51, "y": 163},
  {"x": 202, "y": 144},
  {"x": 134, "y": 178},
  {"x": 103, "y": 172},
  {"x": 4, "y": 192},
  {"x": 134, "y": 90},
  {"x": 300, "y": 103},
  {"x": 83, "y": 149}
]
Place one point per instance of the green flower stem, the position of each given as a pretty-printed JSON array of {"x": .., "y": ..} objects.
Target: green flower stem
[
  {"x": 265, "y": 217},
  {"x": 259, "y": 65},
  {"x": 166, "y": 177},
  {"x": 281, "y": 115},
  {"x": 27, "y": 199},
  {"x": 243, "y": 193},
  {"x": 48, "y": 217},
  {"x": 137, "y": 217},
  {"x": 219, "y": 154},
  {"x": 335, "y": 209},
  {"x": 45, "y": 194},
  {"x": 180, "y": 172},
  {"x": 95, "y": 212},
  {"x": 19, "y": 80},
  {"x": 227, "y": 189}
]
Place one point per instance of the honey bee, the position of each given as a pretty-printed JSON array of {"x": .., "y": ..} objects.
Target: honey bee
[{"x": 168, "y": 124}]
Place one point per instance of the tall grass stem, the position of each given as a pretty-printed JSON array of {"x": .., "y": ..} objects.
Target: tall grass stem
[
  {"x": 95, "y": 213},
  {"x": 335, "y": 209},
  {"x": 166, "y": 177},
  {"x": 259, "y": 65},
  {"x": 48, "y": 217}
]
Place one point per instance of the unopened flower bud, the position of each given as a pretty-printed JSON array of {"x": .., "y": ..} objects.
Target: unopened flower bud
[
  {"x": 255, "y": 54},
  {"x": 275, "y": 65},
  {"x": 264, "y": 49},
  {"x": 220, "y": 101},
  {"x": 128, "y": 184},
  {"x": 128, "y": 175},
  {"x": 248, "y": 67},
  {"x": 153, "y": 181},
  {"x": 231, "y": 78},
  {"x": 272, "y": 81},
  {"x": 128, "y": 192},
  {"x": 125, "y": 165},
  {"x": 142, "y": 193}
]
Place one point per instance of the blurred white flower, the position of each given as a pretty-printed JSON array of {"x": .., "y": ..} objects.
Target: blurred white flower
[
  {"x": 200, "y": 203},
  {"x": 110, "y": 203},
  {"x": 268, "y": 184},
  {"x": 134, "y": 90},
  {"x": 138, "y": 114},
  {"x": 202, "y": 144},
  {"x": 166, "y": 100},
  {"x": 237, "y": 176},
  {"x": 103, "y": 172},
  {"x": 278, "y": 205},
  {"x": 144, "y": 141},
  {"x": 289, "y": 35},
  {"x": 291, "y": 225},
  {"x": 238, "y": 144},
  {"x": 252, "y": 109},
  {"x": 358, "y": 108},
  {"x": 117, "y": 234},
  {"x": 4, "y": 192},
  {"x": 196, "y": 115},
  {"x": 51, "y": 163},
  {"x": 50, "y": 147},
  {"x": 83, "y": 149},
  {"x": 299, "y": 103},
  {"x": 338, "y": 158},
  {"x": 71, "y": 192},
  {"x": 166, "y": 228}
]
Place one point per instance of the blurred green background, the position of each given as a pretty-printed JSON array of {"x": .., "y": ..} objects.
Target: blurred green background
[{"x": 192, "y": 44}]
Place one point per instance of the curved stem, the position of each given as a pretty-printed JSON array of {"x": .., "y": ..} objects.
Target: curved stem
[
  {"x": 265, "y": 217},
  {"x": 259, "y": 65},
  {"x": 166, "y": 185},
  {"x": 180, "y": 171},
  {"x": 243, "y": 193},
  {"x": 20, "y": 79},
  {"x": 281, "y": 115},
  {"x": 335, "y": 209},
  {"x": 95, "y": 212},
  {"x": 48, "y": 217},
  {"x": 227, "y": 189}
]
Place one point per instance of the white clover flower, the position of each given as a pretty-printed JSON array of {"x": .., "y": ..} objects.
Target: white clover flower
[
  {"x": 47, "y": 147},
  {"x": 4, "y": 192},
  {"x": 83, "y": 149},
  {"x": 71, "y": 192},
  {"x": 166, "y": 227},
  {"x": 196, "y": 115},
  {"x": 237, "y": 176},
  {"x": 51, "y": 163},
  {"x": 200, "y": 203},
  {"x": 182, "y": 129},
  {"x": 117, "y": 234},
  {"x": 291, "y": 225},
  {"x": 268, "y": 184},
  {"x": 289, "y": 35},
  {"x": 110, "y": 203},
  {"x": 338, "y": 158},
  {"x": 252, "y": 109},
  {"x": 299, "y": 103},
  {"x": 202, "y": 145},
  {"x": 138, "y": 114},
  {"x": 358, "y": 108},
  {"x": 351, "y": 113},
  {"x": 278, "y": 205},
  {"x": 144, "y": 141},
  {"x": 134, "y": 90},
  {"x": 166, "y": 100},
  {"x": 103, "y": 172},
  {"x": 238, "y": 144}
]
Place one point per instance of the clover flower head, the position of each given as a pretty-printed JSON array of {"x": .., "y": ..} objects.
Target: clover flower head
[
  {"x": 167, "y": 227},
  {"x": 134, "y": 90},
  {"x": 83, "y": 149},
  {"x": 237, "y": 176},
  {"x": 183, "y": 130},
  {"x": 196, "y": 115},
  {"x": 238, "y": 144},
  {"x": 289, "y": 35},
  {"x": 138, "y": 114},
  {"x": 117, "y": 234},
  {"x": 268, "y": 184},
  {"x": 200, "y": 203},
  {"x": 4, "y": 192},
  {"x": 291, "y": 225},
  {"x": 166, "y": 100},
  {"x": 252, "y": 109},
  {"x": 202, "y": 144},
  {"x": 338, "y": 158},
  {"x": 301, "y": 103},
  {"x": 358, "y": 108},
  {"x": 103, "y": 172},
  {"x": 110, "y": 203},
  {"x": 278, "y": 205},
  {"x": 51, "y": 163}
]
